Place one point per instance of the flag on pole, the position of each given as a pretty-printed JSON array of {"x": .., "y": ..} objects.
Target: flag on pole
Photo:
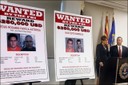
[
  {"x": 62, "y": 6},
  {"x": 106, "y": 27},
  {"x": 82, "y": 8},
  {"x": 81, "y": 12},
  {"x": 111, "y": 39}
]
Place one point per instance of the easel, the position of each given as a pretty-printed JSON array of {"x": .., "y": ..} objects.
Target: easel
[
  {"x": 30, "y": 83},
  {"x": 81, "y": 80}
]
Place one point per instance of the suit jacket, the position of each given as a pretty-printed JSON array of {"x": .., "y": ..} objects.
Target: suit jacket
[
  {"x": 114, "y": 51},
  {"x": 102, "y": 53}
]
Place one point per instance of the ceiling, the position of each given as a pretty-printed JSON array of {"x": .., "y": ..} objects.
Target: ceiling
[{"x": 116, "y": 4}]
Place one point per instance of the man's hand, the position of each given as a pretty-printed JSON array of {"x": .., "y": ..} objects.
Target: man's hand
[{"x": 101, "y": 64}]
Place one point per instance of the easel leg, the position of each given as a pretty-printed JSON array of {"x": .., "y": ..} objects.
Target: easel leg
[
  {"x": 19, "y": 84},
  {"x": 81, "y": 82},
  {"x": 30, "y": 83}
]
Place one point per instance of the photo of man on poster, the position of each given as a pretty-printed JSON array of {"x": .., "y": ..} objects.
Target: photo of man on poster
[
  {"x": 13, "y": 42},
  {"x": 79, "y": 46},
  {"x": 69, "y": 45},
  {"x": 28, "y": 44}
]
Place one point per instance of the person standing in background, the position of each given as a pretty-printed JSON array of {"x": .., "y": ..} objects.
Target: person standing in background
[
  {"x": 119, "y": 50},
  {"x": 102, "y": 56}
]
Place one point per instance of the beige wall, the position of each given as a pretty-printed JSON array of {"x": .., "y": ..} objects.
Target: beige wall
[
  {"x": 98, "y": 14},
  {"x": 121, "y": 23},
  {"x": 72, "y": 6}
]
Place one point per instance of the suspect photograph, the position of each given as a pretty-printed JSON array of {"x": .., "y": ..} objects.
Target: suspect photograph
[
  {"x": 70, "y": 45},
  {"x": 13, "y": 42},
  {"x": 79, "y": 45},
  {"x": 28, "y": 42},
  {"x": 74, "y": 45}
]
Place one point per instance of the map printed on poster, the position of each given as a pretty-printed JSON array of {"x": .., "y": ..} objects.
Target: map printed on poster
[
  {"x": 23, "y": 44},
  {"x": 73, "y": 46}
]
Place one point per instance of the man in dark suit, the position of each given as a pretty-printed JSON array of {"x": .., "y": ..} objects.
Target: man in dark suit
[
  {"x": 102, "y": 55},
  {"x": 116, "y": 51},
  {"x": 119, "y": 50}
]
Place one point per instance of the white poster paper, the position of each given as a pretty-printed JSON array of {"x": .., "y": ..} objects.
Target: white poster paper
[
  {"x": 73, "y": 46},
  {"x": 23, "y": 44}
]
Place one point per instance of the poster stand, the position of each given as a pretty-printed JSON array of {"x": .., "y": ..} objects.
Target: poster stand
[
  {"x": 73, "y": 81},
  {"x": 81, "y": 80},
  {"x": 30, "y": 83}
]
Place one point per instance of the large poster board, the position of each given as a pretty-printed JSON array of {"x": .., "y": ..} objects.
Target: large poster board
[
  {"x": 73, "y": 46},
  {"x": 23, "y": 44}
]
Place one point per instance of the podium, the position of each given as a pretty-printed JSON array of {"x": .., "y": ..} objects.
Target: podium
[
  {"x": 117, "y": 70},
  {"x": 122, "y": 70}
]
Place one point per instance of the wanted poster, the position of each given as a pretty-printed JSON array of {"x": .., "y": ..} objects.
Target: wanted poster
[
  {"x": 73, "y": 46},
  {"x": 23, "y": 55}
]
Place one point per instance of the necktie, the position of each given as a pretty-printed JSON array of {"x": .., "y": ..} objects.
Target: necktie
[{"x": 119, "y": 52}]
